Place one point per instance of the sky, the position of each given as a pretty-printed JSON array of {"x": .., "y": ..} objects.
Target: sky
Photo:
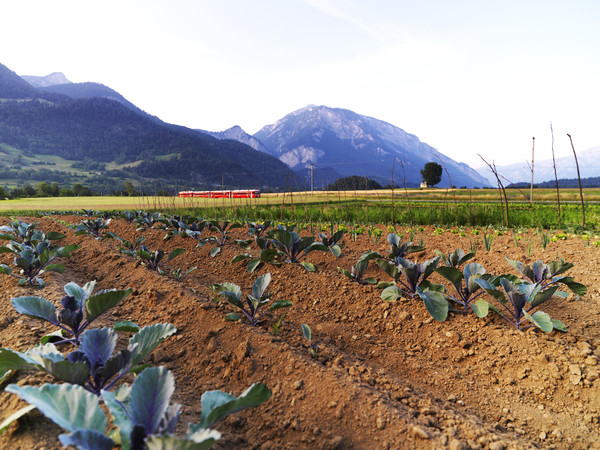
[{"x": 466, "y": 77}]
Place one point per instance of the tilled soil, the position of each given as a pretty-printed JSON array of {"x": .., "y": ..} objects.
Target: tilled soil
[{"x": 386, "y": 376}]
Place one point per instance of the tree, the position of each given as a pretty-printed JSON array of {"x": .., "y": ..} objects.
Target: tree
[
  {"x": 432, "y": 174},
  {"x": 353, "y": 183}
]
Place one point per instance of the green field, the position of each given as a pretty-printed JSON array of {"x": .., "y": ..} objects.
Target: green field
[{"x": 476, "y": 207}]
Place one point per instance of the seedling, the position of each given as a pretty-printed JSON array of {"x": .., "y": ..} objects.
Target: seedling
[
  {"x": 92, "y": 227},
  {"x": 179, "y": 274},
  {"x": 312, "y": 348},
  {"x": 487, "y": 241},
  {"x": 223, "y": 230},
  {"x": 409, "y": 275},
  {"x": 127, "y": 247},
  {"x": 332, "y": 243},
  {"x": 398, "y": 249},
  {"x": 357, "y": 271},
  {"x": 252, "y": 307},
  {"x": 456, "y": 258},
  {"x": 154, "y": 260},
  {"x": 467, "y": 290},
  {"x": 292, "y": 248}
]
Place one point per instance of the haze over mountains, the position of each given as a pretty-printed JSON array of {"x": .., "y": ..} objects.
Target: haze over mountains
[
  {"x": 90, "y": 126},
  {"x": 543, "y": 170}
]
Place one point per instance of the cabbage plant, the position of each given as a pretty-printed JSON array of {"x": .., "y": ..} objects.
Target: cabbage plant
[
  {"x": 291, "y": 247},
  {"x": 95, "y": 364},
  {"x": 142, "y": 412},
  {"x": 455, "y": 259},
  {"x": 80, "y": 307},
  {"x": 254, "y": 305},
  {"x": 34, "y": 257}
]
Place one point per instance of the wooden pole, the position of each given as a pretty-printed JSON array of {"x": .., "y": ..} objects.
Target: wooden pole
[{"x": 578, "y": 179}]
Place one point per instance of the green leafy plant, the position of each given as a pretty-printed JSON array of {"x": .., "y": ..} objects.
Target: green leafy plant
[
  {"x": 290, "y": 247},
  {"x": 409, "y": 275},
  {"x": 333, "y": 242},
  {"x": 467, "y": 290},
  {"x": 254, "y": 304},
  {"x": 27, "y": 233},
  {"x": 545, "y": 275},
  {"x": 125, "y": 246},
  {"x": 518, "y": 301},
  {"x": 179, "y": 274},
  {"x": 455, "y": 259},
  {"x": 154, "y": 259},
  {"x": 356, "y": 273},
  {"x": 487, "y": 241},
  {"x": 398, "y": 249},
  {"x": 222, "y": 229},
  {"x": 143, "y": 413},
  {"x": 80, "y": 307},
  {"x": 92, "y": 227},
  {"x": 94, "y": 365},
  {"x": 313, "y": 349},
  {"x": 35, "y": 257}
]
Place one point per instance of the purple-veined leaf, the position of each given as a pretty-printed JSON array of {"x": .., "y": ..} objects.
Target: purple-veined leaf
[
  {"x": 391, "y": 293},
  {"x": 98, "y": 345},
  {"x": 147, "y": 339},
  {"x": 36, "y": 308},
  {"x": 216, "y": 404},
  {"x": 435, "y": 302},
  {"x": 260, "y": 285},
  {"x": 87, "y": 439},
  {"x": 541, "y": 320},
  {"x": 480, "y": 308},
  {"x": 102, "y": 302},
  {"x": 70, "y": 407},
  {"x": 149, "y": 398}
]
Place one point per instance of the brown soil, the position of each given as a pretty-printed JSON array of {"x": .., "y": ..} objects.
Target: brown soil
[{"x": 386, "y": 375}]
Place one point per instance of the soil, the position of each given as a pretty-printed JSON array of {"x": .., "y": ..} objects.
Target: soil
[{"x": 386, "y": 376}]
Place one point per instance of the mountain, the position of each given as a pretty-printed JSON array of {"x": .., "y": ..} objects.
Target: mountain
[
  {"x": 48, "y": 80},
  {"x": 589, "y": 166},
  {"x": 51, "y": 136},
  {"x": 90, "y": 90},
  {"x": 348, "y": 143},
  {"x": 12, "y": 86},
  {"x": 236, "y": 133}
]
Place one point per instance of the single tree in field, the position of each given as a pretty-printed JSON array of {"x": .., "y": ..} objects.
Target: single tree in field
[{"x": 432, "y": 174}]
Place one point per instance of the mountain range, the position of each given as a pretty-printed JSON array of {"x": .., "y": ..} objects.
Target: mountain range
[
  {"x": 78, "y": 132},
  {"x": 338, "y": 142},
  {"x": 49, "y": 125}
]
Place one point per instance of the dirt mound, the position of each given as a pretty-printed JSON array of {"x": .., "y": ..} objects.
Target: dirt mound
[{"x": 387, "y": 375}]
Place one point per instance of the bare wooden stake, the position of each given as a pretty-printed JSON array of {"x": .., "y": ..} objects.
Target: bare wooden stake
[
  {"x": 578, "y": 179},
  {"x": 555, "y": 176},
  {"x": 532, "y": 158}
]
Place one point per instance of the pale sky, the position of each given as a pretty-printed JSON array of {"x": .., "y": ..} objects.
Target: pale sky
[{"x": 466, "y": 77}]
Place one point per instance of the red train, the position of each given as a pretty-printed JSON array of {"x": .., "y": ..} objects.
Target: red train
[{"x": 239, "y": 193}]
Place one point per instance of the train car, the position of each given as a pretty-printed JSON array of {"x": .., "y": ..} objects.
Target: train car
[{"x": 239, "y": 193}]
